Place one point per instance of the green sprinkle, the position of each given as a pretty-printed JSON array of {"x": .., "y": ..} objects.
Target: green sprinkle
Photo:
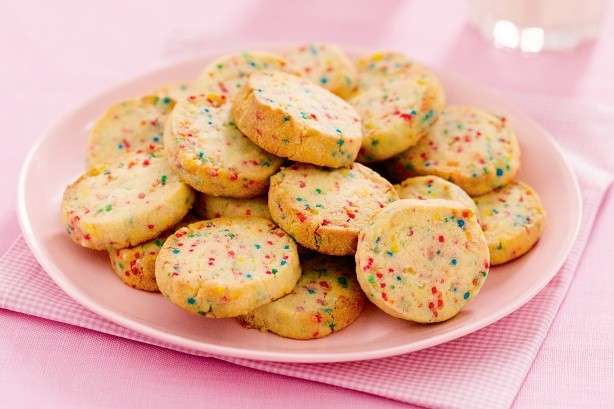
[
  {"x": 164, "y": 179},
  {"x": 343, "y": 281}
]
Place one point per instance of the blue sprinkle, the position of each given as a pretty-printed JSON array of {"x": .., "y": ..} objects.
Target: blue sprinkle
[
  {"x": 461, "y": 223},
  {"x": 191, "y": 300},
  {"x": 466, "y": 295},
  {"x": 453, "y": 262},
  {"x": 499, "y": 172}
]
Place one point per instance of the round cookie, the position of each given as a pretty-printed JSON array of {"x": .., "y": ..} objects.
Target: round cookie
[
  {"x": 211, "y": 207},
  {"x": 476, "y": 150},
  {"x": 222, "y": 79},
  {"x": 176, "y": 91},
  {"x": 422, "y": 260},
  {"x": 434, "y": 187},
  {"x": 513, "y": 219},
  {"x": 212, "y": 155},
  {"x": 382, "y": 66},
  {"x": 294, "y": 118},
  {"x": 396, "y": 114},
  {"x": 227, "y": 267},
  {"x": 325, "y": 209},
  {"x": 135, "y": 266},
  {"x": 125, "y": 203},
  {"x": 131, "y": 126},
  {"x": 326, "y": 299},
  {"x": 326, "y": 65}
]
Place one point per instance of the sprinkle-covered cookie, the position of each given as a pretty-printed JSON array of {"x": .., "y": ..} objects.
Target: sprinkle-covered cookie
[
  {"x": 132, "y": 126},
  {"x": 476, "y": 150},
  {"x": 326, "y": 299},
  {"x": 135, "y": 266},
  {"x": 422, "y": 260},
  {"x": 326, "y": 65},
  {"x": 324, "y": 209},
  {"x": 513, "y": 219},
  {"x": 211, "y": 207},
  {"x": 125, "y": 203},
  {"x": 212, "y": 155},
  {"x": 434, "y": 187},
  {"x": 176, "y": 91},
  {"x": 223, "y": 78},
  {"x": 227, "y": 267},
  {"x": 395, "y": 115},
  {"x": 380, "y": 67},
  {"x": 294, "y": 118}
]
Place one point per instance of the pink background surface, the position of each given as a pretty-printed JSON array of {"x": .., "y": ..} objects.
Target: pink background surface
[{"x": 56, "y": 54}]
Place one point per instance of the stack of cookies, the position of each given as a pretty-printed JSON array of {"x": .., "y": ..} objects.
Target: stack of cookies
[{"x": 250, "y": 192}]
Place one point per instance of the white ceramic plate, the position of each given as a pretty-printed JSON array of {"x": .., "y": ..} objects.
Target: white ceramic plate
[{"x": 59, "y": 157}]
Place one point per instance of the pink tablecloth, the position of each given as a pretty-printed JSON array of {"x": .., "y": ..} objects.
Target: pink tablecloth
[{"x": 55, "y": 54}]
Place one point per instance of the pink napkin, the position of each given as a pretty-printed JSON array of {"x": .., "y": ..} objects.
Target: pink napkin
[{"x": 481, "y": 370}]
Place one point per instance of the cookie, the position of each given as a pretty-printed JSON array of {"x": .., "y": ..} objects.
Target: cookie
[
  {"x": 125, "y": 203},
  {"x": 513, "y": 219},
  {"x": 227, "y": 267},
  {"x": 294, "y": 118},
  {"x": 212, "y": 155},
  {"x": 434, "y": 187},
  {"x": 176, "y": 91},
  {"x": 211, "y": 207},
  {"x": 380, "y": 67},
  {"x": 131, "y": 126},
  {"x": 135, "y": 266},
  {"x": 396, "y": 114},
  {"x": 326, "y": 65},
  {"x": 472, "y": 148},
  {"x": 222, "y": 79},
  {"x": 324, "y": 209},
  {"x": 422, "y": 260},
  {"x": 326, "y": 299}
]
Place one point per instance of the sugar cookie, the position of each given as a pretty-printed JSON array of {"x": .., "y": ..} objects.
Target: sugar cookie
[
  {"x": 131, "y": 126},
  {"x": 422, "y": 260},
  {"x": 211, "y": 207},
  {"x": 326, "y": 299},
  {"x": 513, "y": 219},
  {"x": 125, "y": 203},
  {"x": 476, "y": 150},
  {"x": 294, "y": 118},
  {"x": 326, "y": 65},
  {"x": 396, "y": 114},
  {"x": 212, "y": 155},
  {"x": 324, "y": 209},
  {"x": 223, "y": 78},
  {"x": 434, "y": 187},
  {"x": 228, "y": 266}
]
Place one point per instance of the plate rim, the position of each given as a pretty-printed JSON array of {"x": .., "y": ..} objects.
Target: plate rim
[{"x": 226, "y": 352}]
